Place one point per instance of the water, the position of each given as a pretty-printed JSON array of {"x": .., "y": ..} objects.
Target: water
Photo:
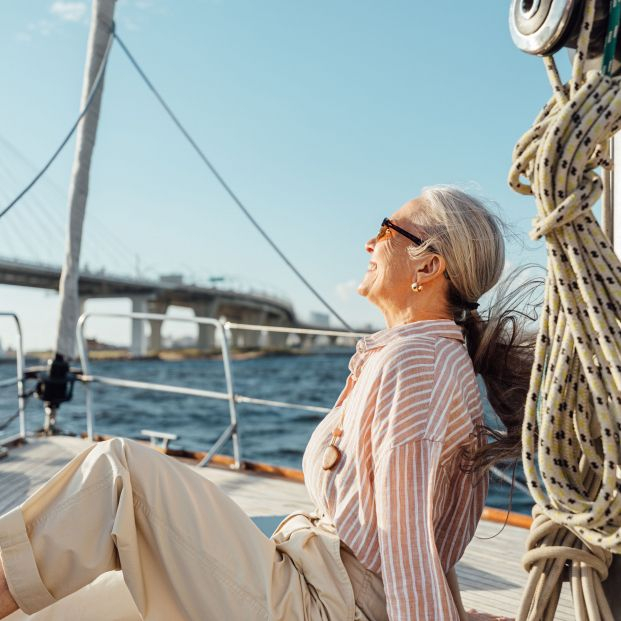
[{"x": 272, "y": 435}]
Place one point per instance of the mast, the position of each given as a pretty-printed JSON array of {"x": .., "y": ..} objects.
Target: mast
[
  {"x": 55, "y": 385},
  {"x": 611, "y": 206},
  {"x": 98, "y": 41}
]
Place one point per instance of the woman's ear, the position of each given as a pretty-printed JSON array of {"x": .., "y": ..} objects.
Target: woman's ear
[{"x": 430, "y": 267}]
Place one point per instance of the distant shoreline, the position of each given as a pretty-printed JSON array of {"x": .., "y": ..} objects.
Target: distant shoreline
[{"x": 173, "y": 355}]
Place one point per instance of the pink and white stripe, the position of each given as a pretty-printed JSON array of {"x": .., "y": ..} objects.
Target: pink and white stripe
[{"x": 398, "y": 497}]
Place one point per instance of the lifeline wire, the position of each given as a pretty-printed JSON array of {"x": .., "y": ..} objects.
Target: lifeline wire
[
  {"x": 91, "y": 97},
  {"x": 7, "y": 421},
  {"x": 572, "y": 424},
  {"x": 223, "y": 183}
]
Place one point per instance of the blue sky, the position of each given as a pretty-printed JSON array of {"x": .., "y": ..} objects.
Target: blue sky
[{"x": 323, "y": 116}]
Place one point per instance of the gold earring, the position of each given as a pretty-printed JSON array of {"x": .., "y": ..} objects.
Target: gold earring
[{"x": 416, "y": 287}]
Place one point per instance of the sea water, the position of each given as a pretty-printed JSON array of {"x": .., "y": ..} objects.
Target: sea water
[{"x": 267, "y": 434}]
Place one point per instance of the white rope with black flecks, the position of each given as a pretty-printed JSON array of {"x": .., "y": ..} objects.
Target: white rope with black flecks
[{"x": 572, "y": 427}]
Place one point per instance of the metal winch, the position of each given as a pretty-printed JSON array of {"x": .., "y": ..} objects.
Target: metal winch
[
  {"x": 54, "y": 386},
  {"x": 542, "y": 27}
]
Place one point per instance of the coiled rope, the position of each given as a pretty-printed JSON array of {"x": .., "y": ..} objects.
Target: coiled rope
[{"x": 571, "y": 433}]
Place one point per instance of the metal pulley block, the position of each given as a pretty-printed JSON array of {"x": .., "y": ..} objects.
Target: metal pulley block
[{"x": 543, "y": 27}]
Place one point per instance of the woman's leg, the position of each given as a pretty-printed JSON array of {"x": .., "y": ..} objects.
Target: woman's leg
[
  {"x": 186, "y": 550},
  {"x": 7, "y": 603}
]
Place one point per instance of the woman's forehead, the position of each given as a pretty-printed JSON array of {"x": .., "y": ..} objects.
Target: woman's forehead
[{"x": 407, "y": 212}]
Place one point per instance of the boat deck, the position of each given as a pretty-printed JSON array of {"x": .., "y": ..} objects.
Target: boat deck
[{"x": 490, "y": 572}]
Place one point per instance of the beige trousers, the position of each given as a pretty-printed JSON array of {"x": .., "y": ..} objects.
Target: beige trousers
[{"x": 185, "y": 549}]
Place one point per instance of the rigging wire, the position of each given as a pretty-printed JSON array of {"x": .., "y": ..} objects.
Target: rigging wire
[
  {"x": 223, "y": 183},
  {"x": 7, "y": 421},
  {"x": 91, "y": 97}
]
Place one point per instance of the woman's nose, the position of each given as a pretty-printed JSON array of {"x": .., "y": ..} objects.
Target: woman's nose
[{"x": 370, "y": 245}]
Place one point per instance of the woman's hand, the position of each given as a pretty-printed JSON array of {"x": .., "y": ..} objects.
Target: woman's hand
[{"x": 474, "y": 615}]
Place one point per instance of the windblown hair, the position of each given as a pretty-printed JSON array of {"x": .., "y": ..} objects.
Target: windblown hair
[{"x": 470, "y": 238}]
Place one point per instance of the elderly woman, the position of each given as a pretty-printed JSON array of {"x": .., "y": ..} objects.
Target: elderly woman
[{"x": 396, "y": 469}]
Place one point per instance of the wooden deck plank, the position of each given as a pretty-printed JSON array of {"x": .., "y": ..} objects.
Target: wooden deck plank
[{"x": 490, "y": 573}]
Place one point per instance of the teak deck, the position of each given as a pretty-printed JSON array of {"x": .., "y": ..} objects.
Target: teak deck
[{"x": 490, "y": 573}]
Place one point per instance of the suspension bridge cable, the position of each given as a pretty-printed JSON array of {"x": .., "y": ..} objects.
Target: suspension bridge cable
[
  {"x": 91, "y": 97},
  {"x": 38, "y": 203},
  {"x": 104, "y": 231},
  {"x": 223, "y": 183}
]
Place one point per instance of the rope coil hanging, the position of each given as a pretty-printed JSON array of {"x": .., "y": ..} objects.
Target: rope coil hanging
[{"x": 572, "y": 425}]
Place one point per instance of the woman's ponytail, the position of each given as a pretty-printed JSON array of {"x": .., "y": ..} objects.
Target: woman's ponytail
[{"x": 501, "y": 347}]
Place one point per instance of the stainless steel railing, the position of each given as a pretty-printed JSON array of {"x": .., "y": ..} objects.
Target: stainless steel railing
[
  {"x": 18, "y": 381},
  {"x": 223, "y": 328}
]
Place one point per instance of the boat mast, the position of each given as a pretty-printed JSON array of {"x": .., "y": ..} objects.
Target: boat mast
[
  {"x": 611, "y": 205},
  {"x": 55, "y": 386},
  {"x": 100, "y": 33}
]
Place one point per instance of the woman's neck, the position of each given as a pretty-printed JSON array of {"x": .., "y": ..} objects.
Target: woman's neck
[{"x": 409, "y": 315}]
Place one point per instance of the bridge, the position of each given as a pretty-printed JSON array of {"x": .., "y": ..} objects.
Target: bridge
[
  {"x": 216, "y": 298},
  {"x": 34, "y": 240}
]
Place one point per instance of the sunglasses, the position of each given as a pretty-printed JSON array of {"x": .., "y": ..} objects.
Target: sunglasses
[{"x": 387, "y": 224}]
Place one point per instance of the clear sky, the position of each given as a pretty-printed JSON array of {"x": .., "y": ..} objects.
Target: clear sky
[{"x": 324, "y": 117}]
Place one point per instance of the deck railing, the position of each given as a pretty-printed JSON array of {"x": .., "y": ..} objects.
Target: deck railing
[
  {"x": 18, "y": 381},
  {"x": 223, "y": 329}
]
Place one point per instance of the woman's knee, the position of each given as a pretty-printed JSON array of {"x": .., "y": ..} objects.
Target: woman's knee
[
  {"x": 117, "y": 448},
  {"x": 110, "y": 457}
]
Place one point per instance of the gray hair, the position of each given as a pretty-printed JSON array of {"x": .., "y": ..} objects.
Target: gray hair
[{"x": 467, "y": 234}]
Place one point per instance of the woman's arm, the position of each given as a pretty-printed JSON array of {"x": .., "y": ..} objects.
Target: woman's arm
[
  {"x": 451, "y": 578},
  {"x": 471, "y": 615}
]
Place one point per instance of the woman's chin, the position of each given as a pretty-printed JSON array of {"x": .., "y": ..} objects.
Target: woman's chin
[{"x": 365, "y": 287}]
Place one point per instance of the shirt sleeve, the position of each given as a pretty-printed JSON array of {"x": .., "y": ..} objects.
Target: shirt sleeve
[
  {"x": 414, "y": 581},
  {"x": 407, "y": 435}
]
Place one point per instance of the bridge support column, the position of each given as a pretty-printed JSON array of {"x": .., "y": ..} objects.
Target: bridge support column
[
  {"x": 206, "y": 334},
  {"x": 155, "y": 339},
  {"x": 308, "y": 341},
  {"x": 278, "y": 340},
  {"x": 249, "y": 339},
  {"x": 138, "y": 345}
]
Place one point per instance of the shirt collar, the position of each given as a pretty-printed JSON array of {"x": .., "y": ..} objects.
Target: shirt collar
[{"x": 434, "y": 328}]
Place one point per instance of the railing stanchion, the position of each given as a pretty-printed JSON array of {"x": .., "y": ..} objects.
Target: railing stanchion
[
  {"x": 225, "y": 334},
  {"x": 84, "y": 364},
  {"x": 21, "y": 397},
  {"x": 19, "y": 382}
]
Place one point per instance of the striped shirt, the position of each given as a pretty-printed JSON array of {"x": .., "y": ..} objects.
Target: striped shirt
[{"x": 398, "y": 497}]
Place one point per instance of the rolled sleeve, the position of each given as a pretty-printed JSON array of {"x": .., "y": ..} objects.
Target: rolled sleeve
[{"x": 415, "y": 584}]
